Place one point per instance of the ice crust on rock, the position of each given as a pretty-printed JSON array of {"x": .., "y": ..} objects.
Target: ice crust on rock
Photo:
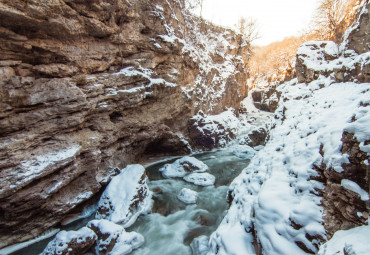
[
  {"x": 350, "y": 185},
  {"x": 71, "y": 242},
  {"x": 183, "y": 166},
  {"x": 113, "y": 239},
  {"x": 188, "y": 196},
  {"x": 126, "y": 197},
  {"x": 201, "y": 179},
  {"x": 274, "y": 193}
]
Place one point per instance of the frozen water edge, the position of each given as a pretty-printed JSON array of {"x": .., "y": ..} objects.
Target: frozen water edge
[{"x": 16, "y": 247}]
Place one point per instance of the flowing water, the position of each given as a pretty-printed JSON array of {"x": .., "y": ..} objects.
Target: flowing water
[{"x": 173, "y": 225}]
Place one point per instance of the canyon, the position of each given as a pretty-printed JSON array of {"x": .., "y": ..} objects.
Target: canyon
[{"x": 89, "y": 87}]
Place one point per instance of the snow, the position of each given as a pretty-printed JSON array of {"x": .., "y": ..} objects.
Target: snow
[
  {"x": 244, "y": 151},
  {"x": 188, "y": 196},
  {"x": 201, "y": 179},
  {"x": 140, "y": 71},
  {"x": 354, "y": 241},
  {"x": 352, "y": 186},
  {"x": 275, "y": 190},
  {"x": 118, "y": 197},
  {"x": 199, "y": 245},
  {"x": 183, "y": 166},
  {"x": 62, "y": 240},
  {"x": 37, "y": 166},
  {"x": 124, "y": 242}
]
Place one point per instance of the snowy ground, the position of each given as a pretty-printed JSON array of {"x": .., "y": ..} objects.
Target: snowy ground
[{"x": 273, "y": 196}]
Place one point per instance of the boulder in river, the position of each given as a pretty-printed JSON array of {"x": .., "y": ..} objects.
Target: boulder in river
[
  {"x": 188, "y": 196},
  {"x": 201, "y": 179},
  {"x": 113, "y": 239},
  {"x": 71, "y": 242},
  {"x": 126, "y": 197},
  {"x": 183, "y": 166}
]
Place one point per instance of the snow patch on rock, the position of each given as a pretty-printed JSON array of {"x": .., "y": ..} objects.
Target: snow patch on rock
[
  {"x": 71, "y": 242},
  {"x": 350, "y": 185},
  {"x": 113, "y": 239},
  {"x": 183, "y": 166}
]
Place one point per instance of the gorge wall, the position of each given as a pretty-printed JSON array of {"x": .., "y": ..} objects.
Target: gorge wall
[{"x": 88, "y": 86}]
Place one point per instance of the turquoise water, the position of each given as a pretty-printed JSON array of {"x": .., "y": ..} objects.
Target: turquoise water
[{"x": 173, "y": 225}]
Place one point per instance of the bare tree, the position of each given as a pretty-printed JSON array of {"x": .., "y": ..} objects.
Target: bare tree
[
  {"x": 333, "y": 17},
  {"x": 248, "y": 28}
]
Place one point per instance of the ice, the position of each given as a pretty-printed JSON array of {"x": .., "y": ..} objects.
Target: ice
[
  {"x": 350, "y": 185},
  {"x": 126, "y": 197},
  {"x": 183, "y": 166},
  {"x": 188, "y": 196},
  {"x": 201, "y": 179},
  {"x": 354, "y": 241}
]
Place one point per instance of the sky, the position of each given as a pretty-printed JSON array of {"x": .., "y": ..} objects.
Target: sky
[{"x": 276, "y": 19}]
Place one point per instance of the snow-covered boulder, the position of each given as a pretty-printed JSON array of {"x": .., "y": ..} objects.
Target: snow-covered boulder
[
  {"x": 255, "y": 137},
  {"x": 211, "y": 131},
  {"x": 126, "y": 197},
  {"x": 313, "y": 60},
  {"x": 188, "y": 196},
  {"x": 266, "y": 99},
  {"x": 183, "y": 166},
  {"x": 71, "y": 242},
  {"x": 201, "y": 179},
  {"x": 244, "y": 151},
  {"x": 113, "y": 239},
  {"x": 325, "y": 58}
]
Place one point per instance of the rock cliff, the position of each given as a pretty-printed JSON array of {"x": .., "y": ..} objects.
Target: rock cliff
[{"x": 88, "y": 86}]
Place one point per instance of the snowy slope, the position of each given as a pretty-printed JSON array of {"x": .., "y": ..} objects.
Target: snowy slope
[{"x": 273, "y": 197}]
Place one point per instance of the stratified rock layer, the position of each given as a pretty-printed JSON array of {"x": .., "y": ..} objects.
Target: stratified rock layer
[{"x": 88, "y": 86}]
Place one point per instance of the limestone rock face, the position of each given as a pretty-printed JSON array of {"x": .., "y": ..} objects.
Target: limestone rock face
[
  {"x": 345, "y": 209},
  {"x": 88, "y": 86},
  {"x": 358, "y": 37}
]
